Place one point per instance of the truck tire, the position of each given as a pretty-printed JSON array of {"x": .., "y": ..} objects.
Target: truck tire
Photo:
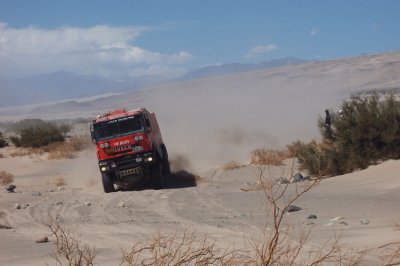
[
  {"x": 165, "y": 163},
  {"x": 157, "y": 175},
  {"x": 107, "y": 183}
]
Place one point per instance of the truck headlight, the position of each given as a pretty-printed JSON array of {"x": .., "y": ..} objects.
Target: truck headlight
[
  {"x": 104, "y": 168},
  {"x": 149, "y": 159}
]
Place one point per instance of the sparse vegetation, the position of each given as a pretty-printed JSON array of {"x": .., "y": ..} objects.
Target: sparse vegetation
[
  {"x": 313, "y": 157},
  {"x": 24, "y": 124},
  {"x": 268, "y": 157},
  {"x": 365, "y": 133},
  {"x": 38, "y": 136},
  {"x": 6, "y": 178},
  {"x": 3, "y": 141},
  {"x": 232, "y": 165},
  {"x": 393, "y": 256},
  {"x": 69, "y": 249},
  {"x": 181, "y": 250},
  {"x": 67, "y": 149},
  {"x": 31, "y": 152},
  {"x": 285, "y": 247}
]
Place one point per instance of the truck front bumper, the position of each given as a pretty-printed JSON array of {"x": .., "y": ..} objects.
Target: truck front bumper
[{"x": 128, "y": 169}]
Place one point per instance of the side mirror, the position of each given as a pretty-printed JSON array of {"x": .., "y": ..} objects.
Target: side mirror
[
  {"x": 92, "y": 133},
  {"x": 148, "y": 124}
]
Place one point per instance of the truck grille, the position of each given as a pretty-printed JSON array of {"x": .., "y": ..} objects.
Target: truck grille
[{"x": 132, "y": 171}]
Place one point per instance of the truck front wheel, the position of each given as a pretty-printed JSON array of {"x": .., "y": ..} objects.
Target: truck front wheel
[
  {"x": 157, "y": 175},
  {"x": 165, "y": 162},
  {"x": 107, "y": 183}
]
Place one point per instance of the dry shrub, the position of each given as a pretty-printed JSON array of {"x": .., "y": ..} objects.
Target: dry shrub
[
  {"x": 56, "y": 150},
  {"x": 60, "y": 150},
  {"x": 31, "y": 152},
  {"x": 181, "y": 250},
  {"x": 1, "y": 155},
  {"x": 286, "y": 247},
  {"x": 58, "y": 182},
  {"x": 6, "y": 178},
  {"x": 169, "y": 249},
  {"x": 294, "y": 148},
  {"x": 232, "y": 165},
  {"x": 67, "y": 149},
  {"x": 268, "y": 157},
  {"x": 392, "y": 256},
  {"x": 69, "y": 248}
]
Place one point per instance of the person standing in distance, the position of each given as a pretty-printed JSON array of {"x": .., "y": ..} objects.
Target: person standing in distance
[{"x": 327, "y": 120}]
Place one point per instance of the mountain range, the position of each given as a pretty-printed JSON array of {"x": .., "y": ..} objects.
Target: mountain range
[
  {"x": 63, "y": 85},
  {"x": 225, "y": 69}
]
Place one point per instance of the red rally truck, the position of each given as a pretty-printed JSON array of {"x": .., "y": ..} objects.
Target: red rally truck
[{"x": 129, "y": 149}]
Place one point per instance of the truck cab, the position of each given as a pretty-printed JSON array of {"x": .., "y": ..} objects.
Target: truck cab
[{"x": 129, "y": 148}]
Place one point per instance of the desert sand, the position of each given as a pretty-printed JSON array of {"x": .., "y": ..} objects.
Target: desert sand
[
  {"x": 216, "y": 208},
  {"x": 209, "y": 122}
]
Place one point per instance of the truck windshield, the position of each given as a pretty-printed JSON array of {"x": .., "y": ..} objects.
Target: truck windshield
[{"x": 118, "y": 127}]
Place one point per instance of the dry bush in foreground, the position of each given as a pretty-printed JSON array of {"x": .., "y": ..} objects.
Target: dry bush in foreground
[
  {"x": 69, "y": 249},
  {"x": 1, "y": 155},
  {"x": 6, "y": 178},
  {"x": 181, "y": 250},
  {"x": 67, "y": 149},
  {"x": 268, "y": 157},
  {"x": 393, "y": 257},
  {"x": 285, "y": 247}
]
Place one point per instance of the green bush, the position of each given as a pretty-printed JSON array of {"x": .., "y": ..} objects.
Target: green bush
[
  {"x": 38, "y": 135},
  {"x": 24, "y": 124},
  {"x": 3, "y": 142},
  {"x": 366, "y": 132},
  {"x": 17, "y": 127}
]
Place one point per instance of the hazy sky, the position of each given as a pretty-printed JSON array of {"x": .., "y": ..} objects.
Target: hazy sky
[{"x": 168, "y": 37}]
